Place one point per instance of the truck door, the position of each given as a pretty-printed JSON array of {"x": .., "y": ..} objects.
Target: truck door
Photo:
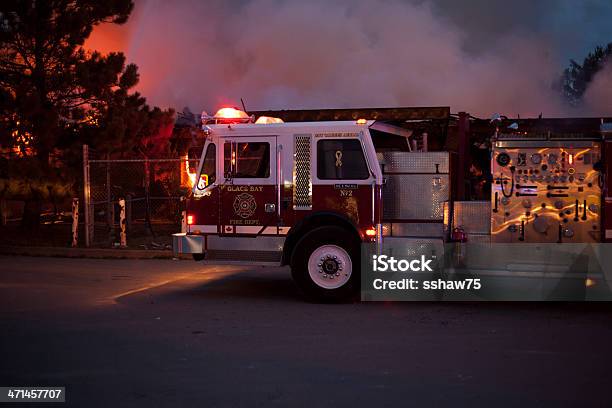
[{"x": 249, "y": 193}]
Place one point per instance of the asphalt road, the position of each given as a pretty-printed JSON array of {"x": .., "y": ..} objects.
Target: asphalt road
[{"x": 161, "y": 333}]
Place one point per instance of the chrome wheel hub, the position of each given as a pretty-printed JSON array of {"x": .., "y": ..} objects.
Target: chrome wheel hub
[{"x": 330, "y": 266}]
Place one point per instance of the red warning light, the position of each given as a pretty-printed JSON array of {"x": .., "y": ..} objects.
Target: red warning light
[{"x": 231, "y": 115}]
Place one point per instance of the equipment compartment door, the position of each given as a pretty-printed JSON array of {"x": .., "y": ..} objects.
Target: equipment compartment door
[
  {"x": 249, "y": 193},
  {"x": 607, "y": 204}
]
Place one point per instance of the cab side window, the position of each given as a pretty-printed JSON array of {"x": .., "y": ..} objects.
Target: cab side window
[
  {"x": 341, "y": 159},
  {"x": 210, "y": 160},
  {"x": 247, "y": 160}
]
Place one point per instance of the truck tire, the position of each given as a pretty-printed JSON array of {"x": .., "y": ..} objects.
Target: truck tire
[{"x": 325, "y": 264}]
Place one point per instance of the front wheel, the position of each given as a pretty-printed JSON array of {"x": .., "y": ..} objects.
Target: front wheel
[{"x": 325, "y": 264}]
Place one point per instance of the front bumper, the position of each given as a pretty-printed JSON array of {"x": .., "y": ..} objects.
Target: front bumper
[{"x": 187, "y": 244}]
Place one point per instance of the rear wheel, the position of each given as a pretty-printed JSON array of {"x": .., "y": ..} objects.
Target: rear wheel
[{"x": 325, "y": 264}]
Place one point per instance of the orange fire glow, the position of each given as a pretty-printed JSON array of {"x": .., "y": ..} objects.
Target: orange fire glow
[
  {"x": 188, "y": 178},
  {"x": 191, "y": 176},
  {"x": 22, "y": 141}
]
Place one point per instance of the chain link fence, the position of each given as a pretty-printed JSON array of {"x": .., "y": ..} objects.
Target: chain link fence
[{"x": 153, "y": 190}]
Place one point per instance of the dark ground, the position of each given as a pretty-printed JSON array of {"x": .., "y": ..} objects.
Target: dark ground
[
  {"x": 60, "y": 235},
  {"x": 175, "y": 334}
]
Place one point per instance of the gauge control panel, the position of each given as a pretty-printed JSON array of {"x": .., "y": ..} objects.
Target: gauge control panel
[{"x": 546, "y": 191}]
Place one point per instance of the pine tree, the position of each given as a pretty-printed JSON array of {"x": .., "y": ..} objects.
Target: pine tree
[
  {"x": 577, "y": 77},
  {"x": 55, "y": 95}
]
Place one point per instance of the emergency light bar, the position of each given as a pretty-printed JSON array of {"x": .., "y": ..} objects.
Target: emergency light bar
[
  {"x": 233, "y": 116},
  {"x": 228, "y": 116},
  {"x": 268, "y": 119}
]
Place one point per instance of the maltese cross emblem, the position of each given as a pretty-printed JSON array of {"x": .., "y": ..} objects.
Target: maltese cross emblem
[{"x": 244, "y": 205}]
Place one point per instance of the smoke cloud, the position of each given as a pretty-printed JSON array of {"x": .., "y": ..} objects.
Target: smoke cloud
[
  {"x": 598, "y": 97},
  {"x": 488, "y": 56}
]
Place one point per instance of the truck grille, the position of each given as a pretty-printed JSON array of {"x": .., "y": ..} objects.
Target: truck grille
[{"x": 302, "y": 191}]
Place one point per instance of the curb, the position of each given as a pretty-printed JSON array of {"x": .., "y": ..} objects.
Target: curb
[{"x": 96, "y": 253}]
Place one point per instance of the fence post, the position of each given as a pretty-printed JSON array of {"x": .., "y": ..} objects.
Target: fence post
[
  {"x": 87, "y": 197},
  {"x": 147, "y": 189},
  {"x": 183, "y": 214},
  {"x": 128, "y": 210},
  {"x": 75, "y": 221},
  {"x": 110, "y": 205},
  {"x": 122, "y": 223}
]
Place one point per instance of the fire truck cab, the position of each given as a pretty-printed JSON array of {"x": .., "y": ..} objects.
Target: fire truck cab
[{"x": 304, "y": 194}]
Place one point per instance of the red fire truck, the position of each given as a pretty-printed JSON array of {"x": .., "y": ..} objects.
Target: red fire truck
[{"x": 308, "y": 194}]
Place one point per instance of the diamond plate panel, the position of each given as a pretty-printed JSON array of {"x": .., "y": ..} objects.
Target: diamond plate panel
[
  {"x": 479, "y": 238},
  {"x": 414, "y": 247},
  {"x": 415, "y": 196},
  {"x": 473, "y": 216},
  {"x": 417, "y": 230},
  {"x": 302, "y": 190},
  {"x": 417, "y": 162}
]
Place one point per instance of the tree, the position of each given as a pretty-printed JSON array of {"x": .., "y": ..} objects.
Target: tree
[
  {"x": 116, "y": 122},
  {"x": 41, "y": 61},
  {"x": 577, "y": 77},
  {"x": 56, "y": 95}
]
